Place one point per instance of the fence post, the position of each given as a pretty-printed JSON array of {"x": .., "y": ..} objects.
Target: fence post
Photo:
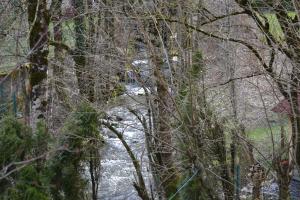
[
  {"x": 1, "y": 93},
  {"x": 237, "y": 177},
  {"x": 1, "y": 99},
  {"x": 14, "y": 97}
]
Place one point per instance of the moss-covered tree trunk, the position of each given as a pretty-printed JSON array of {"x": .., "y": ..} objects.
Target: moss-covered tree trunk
[
  {"x": 284, "y": 190},
  {"x": 85, "y": 81},
  {"x": 80, "y": 45},
  {"x": 295, "y": 122},
  {"x": 92, "y": 42},
  {"x": 283, "y": 170},
  {"x": 219, "y": 136},
  {"x": 109, "y": 30},
  {"x": 56, "y": 17},
  {"x": 163, "y": 134},
  {"x": 58, "y": 96},
  {"x": 38, "y": 19},
  {"x": 158, "y": 42}
]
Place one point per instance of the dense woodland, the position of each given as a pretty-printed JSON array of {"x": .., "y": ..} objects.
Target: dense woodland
[{"x": 149, "y": 99}]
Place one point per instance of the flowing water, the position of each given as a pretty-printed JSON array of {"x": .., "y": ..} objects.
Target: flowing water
[{"x": 118, "y": 173}]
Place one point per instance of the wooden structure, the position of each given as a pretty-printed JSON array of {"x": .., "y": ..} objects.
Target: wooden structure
[
  {"x": 14, "y": 98},
  {"x": 284, "y": 107}
]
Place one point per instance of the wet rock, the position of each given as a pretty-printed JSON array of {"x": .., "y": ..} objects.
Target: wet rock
[
  {"x": 118, "y": 118},
  {"x": 111, "y": 135}
]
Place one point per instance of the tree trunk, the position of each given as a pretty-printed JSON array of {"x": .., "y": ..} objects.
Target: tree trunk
[
  {"x": 297, "y": 135},
  {"x": 283, "y": 168},
  {"x": 257, "y": 175},
  {"x": 80, "y": 52},
  {"x": 284, "y": 191},
  {"x": 295, "y": 121},
  {"x": 157, "y": 41},
  {"x": 56, "y": 17},
  {"x": 59, "y": 99},
  {"x": 164, "y": 136},
  {"x": 38, "y": 19},
  {"x": 256, "y": 192},
  {"x": 109, "y": 29},
  {"x": 92, "y": 50},
  {"x": 94, "y": 179},
  {"x": 219, "y": 136}
]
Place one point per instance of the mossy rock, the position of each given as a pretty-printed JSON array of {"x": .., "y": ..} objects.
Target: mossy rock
[
  {"x": 118, "y": 90},
  {"x": 3, "y": 74}
]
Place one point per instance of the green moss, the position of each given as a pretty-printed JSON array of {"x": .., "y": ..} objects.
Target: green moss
[
  {"x": 2, "y": 73},
  {"x": 197, "y": 67},
  {"x": 275, "y": 28},
  {"x": 37, "y": 77},
  {"x": 68, "y": 33},
  {"x": 118, "y": 90}
]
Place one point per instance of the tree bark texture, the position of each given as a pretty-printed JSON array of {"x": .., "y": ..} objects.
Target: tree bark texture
[
  {"x": 56, "y": 18},
  {"x": 85, "y": 85},
  {"x": 38, "y": 19},
  {"x": 284, "y": 191},
  {"x": 166, "y": 170}
]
